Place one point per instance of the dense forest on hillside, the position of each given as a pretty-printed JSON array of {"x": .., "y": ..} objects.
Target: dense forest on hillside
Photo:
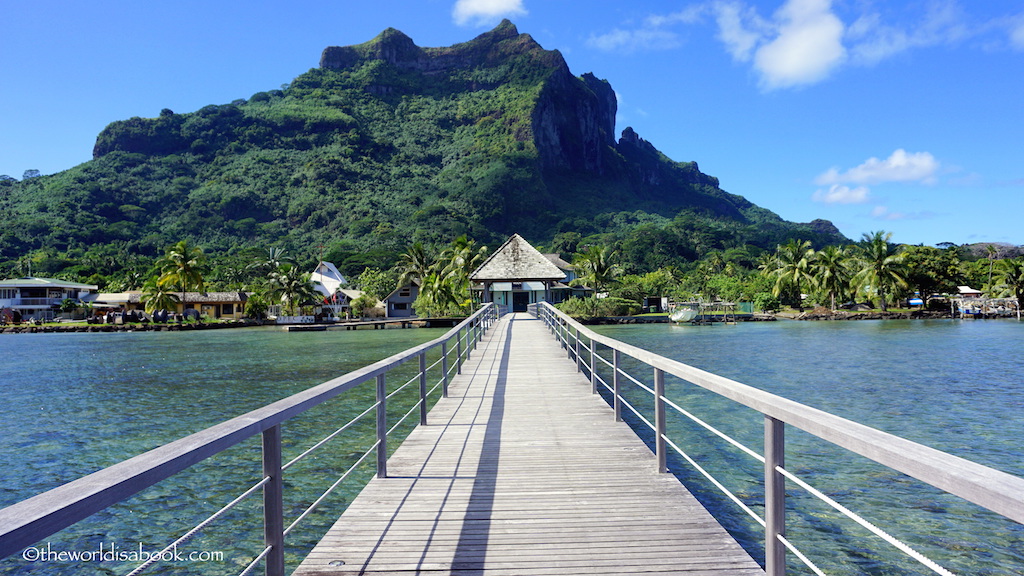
[{"x": 383, "y": 145}]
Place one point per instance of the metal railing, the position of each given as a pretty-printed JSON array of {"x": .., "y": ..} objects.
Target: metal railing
[
  {"x": 29, "y": 521},
  {"x": 992, "y": 489},
  {"x": 32, "y": 302}
]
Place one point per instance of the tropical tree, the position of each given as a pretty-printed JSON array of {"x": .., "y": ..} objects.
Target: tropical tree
[
  {"x": 444, "y": 283},
  {"x": 456, "y": 263},
  {"x": 882, "y": 268},
  {"x": 256, "y": 306},
  {"x": 182, "y": 267},
  {"x": 157, "y": 297},
  {"x": 292, "y": 286},
  {"x": 790, "y": 269},
  {"x": 992, "y": 253},
  {"x": 414, "y": 264},
  {"x": 375, "y": 283},
  {"x": 932, "y": 270},
  {"x": 1011, "y": 275},
  {"x": 596, "y": 268},
  {"x": 831, "y": 272},
  {"x": 269, "y": 263},
  {"x": 363, "y": 304}
]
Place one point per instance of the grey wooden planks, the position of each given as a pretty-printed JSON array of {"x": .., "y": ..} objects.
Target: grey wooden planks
[{"x": 522, "y": 471}]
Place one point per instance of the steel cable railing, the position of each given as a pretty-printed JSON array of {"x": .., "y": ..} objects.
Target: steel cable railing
[
  {"x": 978, "y": 484},
  {"x": 27, "y": 522}
]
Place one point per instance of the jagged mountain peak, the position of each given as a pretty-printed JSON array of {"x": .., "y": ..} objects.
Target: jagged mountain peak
[{"x": 388, "y": 142}]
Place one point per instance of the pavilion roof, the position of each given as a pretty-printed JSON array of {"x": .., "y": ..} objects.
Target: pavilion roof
[{"x": 516, "y": 260}]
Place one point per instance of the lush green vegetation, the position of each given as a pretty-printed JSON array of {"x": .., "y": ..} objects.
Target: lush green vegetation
[
  {"x": 356, "y": 161},
  {"x": 873, "y": 271}
]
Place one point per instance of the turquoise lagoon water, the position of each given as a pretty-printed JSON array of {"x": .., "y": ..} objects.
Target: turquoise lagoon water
[
  {"x": 75, "y": 403},
  {"x": 953, "y": 385}
]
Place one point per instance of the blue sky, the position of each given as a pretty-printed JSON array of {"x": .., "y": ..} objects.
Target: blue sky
[{"x": 898, "y": 116}]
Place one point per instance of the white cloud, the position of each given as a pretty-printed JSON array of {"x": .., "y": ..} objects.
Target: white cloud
[
  {"x": 632, "y": 40},
  {"x": 807, "y": 47},
  {"x": 1017, "y": 34},
  {"x": 839, "y": 194},
  {"x": 901, "y": 166},
  {"x": 733, "y": 30},
  {"x": 879, "y": 212},
  {"x": 872, "y": 40},
  {"x": 652, "y": 34},
  {"x": 479, "y": 12},
  {"x": 804, "y": 41},
  {"x": 883, "y": 213},
  {"x": 688, "y": 15}
]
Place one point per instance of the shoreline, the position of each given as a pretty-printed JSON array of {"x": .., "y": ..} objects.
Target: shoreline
[{"x": 91, "y": 328}]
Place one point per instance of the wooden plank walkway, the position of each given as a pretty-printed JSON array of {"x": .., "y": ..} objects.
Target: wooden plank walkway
[{"x": 521, "y": 471}]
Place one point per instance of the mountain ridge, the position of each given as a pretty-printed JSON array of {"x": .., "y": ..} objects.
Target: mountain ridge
[{"x": 383, "y": 144}]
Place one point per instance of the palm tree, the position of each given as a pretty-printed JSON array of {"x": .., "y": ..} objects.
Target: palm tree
[
  {"x": 182, "y": 267},
  {"x": 274, "y": 259},
  {"x": 596, "y": 267},
  {"x": 882, "y": 268},
  {"x": 1011, "y": 274},
  {"x": 455, "y": 265},
  {"x": 414, "y": 265},
  {"x": 791, "y": 269},
  {"x": 292, "y": 286},
  {"x": 157, "y": 297},
  {"x": 831, "y": 272},
  {"x": 992, "y": 252},
  {"x": 464, "y": 255}
]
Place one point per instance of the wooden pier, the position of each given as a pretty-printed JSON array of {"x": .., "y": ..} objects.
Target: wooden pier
[{"x": 522, "y": 471}]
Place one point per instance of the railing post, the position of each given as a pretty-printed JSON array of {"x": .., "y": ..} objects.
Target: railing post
[
  {"x": 382, "y": 426},
  {"x": 774, "y": 496},
  {"x": 617, "y": 404},
  {"x": 444, "y": 369},
  {"x": 593, "y": 367},
  {"x": 478, "y": 333},
  {"x": 273, "y": 501},
  {"x": 458, "y": 351},
  {"x": 578, "y": 368},
  {"x": 659, "y": 419},
  {"x": 568, "y": 348},
  {"x": 423, "y": 389}
]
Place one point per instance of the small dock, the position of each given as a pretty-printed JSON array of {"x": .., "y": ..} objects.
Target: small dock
[{"x": 522, "y": 471}]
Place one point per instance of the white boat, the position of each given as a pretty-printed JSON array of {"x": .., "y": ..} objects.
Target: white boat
[{"x": 683, "y": 315}]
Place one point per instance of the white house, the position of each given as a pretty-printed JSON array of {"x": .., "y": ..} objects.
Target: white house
[
  {"x": 40, "y": 298},
  {"x": 327, "y": 280}
]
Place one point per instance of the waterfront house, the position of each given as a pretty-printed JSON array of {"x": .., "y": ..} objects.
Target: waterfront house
[
  {"x": 398, "y": 304},
  {"x": 40, "y": 298},
  {"x": 517, "y": 275},
  {"x": 217, "y": 305},
  {"x": 327, "y": 280},
  {"x": 562, "y": 290}
]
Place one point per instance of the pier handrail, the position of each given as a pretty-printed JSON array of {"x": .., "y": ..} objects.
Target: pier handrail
[
  {"x": 24, "y": 523},
  {"x": 993, "y": 489}
]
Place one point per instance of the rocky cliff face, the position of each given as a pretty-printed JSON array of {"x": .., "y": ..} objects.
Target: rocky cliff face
[
  {"x": 388, "y": 141},
  {"x": 572, "y": 124}
]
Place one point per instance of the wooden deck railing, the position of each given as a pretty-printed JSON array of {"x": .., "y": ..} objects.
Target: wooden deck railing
[
  {"x": 997, "y": 491},
  {"x": 30, "y": 521}
]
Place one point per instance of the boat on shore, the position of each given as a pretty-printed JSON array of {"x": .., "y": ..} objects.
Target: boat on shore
[{"x": 686, "y": 314}]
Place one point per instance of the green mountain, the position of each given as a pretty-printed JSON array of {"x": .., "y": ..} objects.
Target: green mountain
[{"x": 384, "y": 144}]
